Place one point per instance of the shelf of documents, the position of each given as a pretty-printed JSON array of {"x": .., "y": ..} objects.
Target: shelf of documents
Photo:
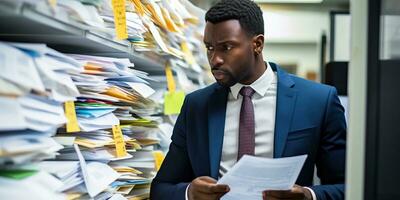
[
  {"x": 26, "y": 22},
  {"x": 86, "y": 120},
  {"x": 81, "y": 113}
]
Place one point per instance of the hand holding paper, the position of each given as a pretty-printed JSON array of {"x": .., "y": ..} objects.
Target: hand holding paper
[
  {"x": 297, "y": 192},
  {"x": 205, "y": 187},
  {"x": 253, "y": 175}
]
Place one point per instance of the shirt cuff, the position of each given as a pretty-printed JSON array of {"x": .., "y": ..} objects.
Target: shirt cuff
[
  {"x": 186, "y": 192},
  {"x": 314, "y": 197}
]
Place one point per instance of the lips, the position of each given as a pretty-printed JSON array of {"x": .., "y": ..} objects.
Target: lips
[{"x": 218, "y": 74}]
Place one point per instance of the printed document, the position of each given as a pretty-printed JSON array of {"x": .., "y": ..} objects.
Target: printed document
[{"x": 252, "y": 175}]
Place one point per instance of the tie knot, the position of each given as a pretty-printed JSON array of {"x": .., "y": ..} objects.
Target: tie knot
[{"x": 247, "y": 92}]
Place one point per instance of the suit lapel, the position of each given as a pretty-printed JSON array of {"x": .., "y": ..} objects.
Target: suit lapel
[
  {"x": 216, "y": 125},
  {"x": 285, "y": 103}
]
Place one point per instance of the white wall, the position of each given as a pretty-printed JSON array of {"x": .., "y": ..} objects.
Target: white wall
[
  {"x": 288, "y": 24},
  {"x": 293, "y": 34},
  {"x": 342, "y": 38},
  {"x": 305, "y": 56}
]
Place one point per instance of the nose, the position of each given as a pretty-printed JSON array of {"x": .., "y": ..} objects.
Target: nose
[{"x": 216, "y": 60}]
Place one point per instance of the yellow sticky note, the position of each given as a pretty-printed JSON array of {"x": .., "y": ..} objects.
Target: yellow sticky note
[
  {"x": 70, "y": 114},
  {"x": 52, "y": 3},
  {"x": 158, "y": 159},
  {"x": 119, "y": 141},
  {"x": 173, "y": 102},
  {"x": 170, "y": 79},
  {"x": 188, "y": 54},
  {"x": 120, "y": 19}
]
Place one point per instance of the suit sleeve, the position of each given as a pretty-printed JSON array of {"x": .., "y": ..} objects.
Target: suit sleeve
[
  {"x": 332, "y": 152},
  {"x": 176, "y": 171}
]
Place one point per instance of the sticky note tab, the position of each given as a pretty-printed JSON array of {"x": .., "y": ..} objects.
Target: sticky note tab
[
  {"x": 119, "y": 141},
  {"x": 173, "y": 102},
  {"x": 17, "y": 173},
  {"x": 188, "y": 54},
  {"x": 70, "y": 114},
  {"x": 120, "y": 19},
  {"x": 158, "y": 159},
  {"x": 170, "y": 78},
  {"x": 52, "y": 3}
]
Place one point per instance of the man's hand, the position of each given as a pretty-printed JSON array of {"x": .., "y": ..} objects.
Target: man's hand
[
  {"x": 296, "y": 193},
  {"x": 205, "y": 187}
]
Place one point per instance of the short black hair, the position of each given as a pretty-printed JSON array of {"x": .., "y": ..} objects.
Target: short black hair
[{"x": 247, "y": 12}]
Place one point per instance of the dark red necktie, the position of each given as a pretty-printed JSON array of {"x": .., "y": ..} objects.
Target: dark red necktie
[{"x": 246, "y": 124}]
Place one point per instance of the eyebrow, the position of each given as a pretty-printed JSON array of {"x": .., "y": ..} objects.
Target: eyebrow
[
  {"x": 227, "y": 42},
  {"x": 222, "y": 42}
]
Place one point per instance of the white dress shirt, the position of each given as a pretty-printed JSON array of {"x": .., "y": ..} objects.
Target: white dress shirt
[{"x": 264, "y": 103}]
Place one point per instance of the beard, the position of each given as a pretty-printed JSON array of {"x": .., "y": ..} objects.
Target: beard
[{"x": 224, "y": 78}]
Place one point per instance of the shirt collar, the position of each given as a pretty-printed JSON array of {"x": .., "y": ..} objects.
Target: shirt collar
[{"x": 261, "y": 85}]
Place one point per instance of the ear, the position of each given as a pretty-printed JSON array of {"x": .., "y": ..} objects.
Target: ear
[{"x": 258, "y": 44}]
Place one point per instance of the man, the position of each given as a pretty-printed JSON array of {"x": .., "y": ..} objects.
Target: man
[{"x": 254, "y": 108}]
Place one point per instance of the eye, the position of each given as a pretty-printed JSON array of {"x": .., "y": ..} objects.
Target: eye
[
  {"x": 209, "y": 48},
  {"x": 227, "y": 47}
]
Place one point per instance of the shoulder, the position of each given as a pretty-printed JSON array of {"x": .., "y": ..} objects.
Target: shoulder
[
  {"x": 302, "y": 85},
  {"x": 204, "y": 93},
  {"x": 310, "y": 86},
  {"x": 313, "y": 93},
  {"x": 202, "y": 96}
]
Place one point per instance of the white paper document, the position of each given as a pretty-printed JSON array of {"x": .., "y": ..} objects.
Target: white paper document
[
  {"x": 102, "y": 122},
  {"x": 142, "y": 89},
  {"x": 97, "y": 176},
  {"x": 252, "y": 175},
  {"x": 40, "y": 186}
]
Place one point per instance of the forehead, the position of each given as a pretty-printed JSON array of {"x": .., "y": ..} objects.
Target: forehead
[{"x": 226, "y": 30}]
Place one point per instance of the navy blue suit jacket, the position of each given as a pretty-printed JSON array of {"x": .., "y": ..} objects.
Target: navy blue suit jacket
[{"x": 309, "y": 120}]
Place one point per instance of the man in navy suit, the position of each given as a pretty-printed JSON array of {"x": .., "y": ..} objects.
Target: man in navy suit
[{"x": 254, "y": 108}]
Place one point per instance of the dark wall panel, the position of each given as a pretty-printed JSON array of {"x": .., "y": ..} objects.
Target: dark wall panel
[{"x": 388, "y": 162}]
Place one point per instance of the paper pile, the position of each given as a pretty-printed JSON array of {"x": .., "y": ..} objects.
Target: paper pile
[{"x": 35, "y": 81}]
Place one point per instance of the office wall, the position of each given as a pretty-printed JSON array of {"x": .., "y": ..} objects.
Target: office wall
[
  {"x": 304, "y": 55},
  {"x": 293, "y": 34},
  {"x": 342, "y": 37}
]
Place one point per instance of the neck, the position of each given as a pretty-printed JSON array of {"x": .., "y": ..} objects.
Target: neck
[{"x": 259, "y": 69}]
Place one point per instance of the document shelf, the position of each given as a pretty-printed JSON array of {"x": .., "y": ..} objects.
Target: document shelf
[
  {"x": 22, "y": 22},
  {"x": 37, "y": 22}
]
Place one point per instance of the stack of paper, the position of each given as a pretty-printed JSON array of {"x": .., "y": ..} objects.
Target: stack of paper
[
  {"x": 32, "y": 111},
  {"x": 113, "y": 93},
  {"x": 137, "y": 172},
  {"x": 115, "y": 114},
  {"x": 36, "y": 80},
  {"x": 134, "y": 25},
  {"x": 68, "y": 172},
  {"x": 81, "y": 179},
  {"x": 26, "y": 146},
  {"x": 167, "y": 30},
  {"x": 29, "y": 184}
]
